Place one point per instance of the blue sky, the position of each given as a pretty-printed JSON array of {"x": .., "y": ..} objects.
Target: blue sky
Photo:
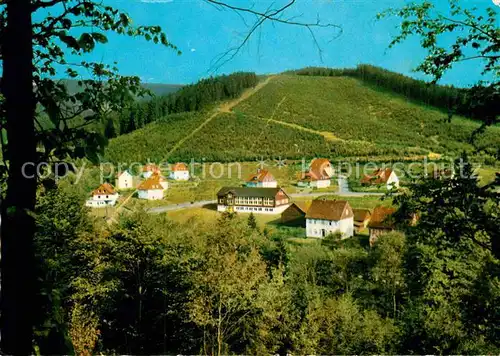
[{"x": 203, "y": 32}]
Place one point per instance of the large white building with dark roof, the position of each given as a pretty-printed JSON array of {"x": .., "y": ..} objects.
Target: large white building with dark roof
[
  {"x": 325, "y": 217},
  {"x": 252, "y": 200}
]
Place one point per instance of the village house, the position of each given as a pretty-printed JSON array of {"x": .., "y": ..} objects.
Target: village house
[
  {"x": 256, "y": 200},
  {"x": 295, "y": 214},
  {"x": 380, "y": 223},
  {"x": 386, "y": 177},
  {"x": 152, "y": 188},
  {"x": 149, "y": 169},
  {"x": 319, "y": 174},
  {"x": 103, "y": 196},
  {"x": 262, "y": 179},
  {"x": 179, "y": 171},
  {"x": 326, "y": 217},
  {"x": 361, "y": 219},
  {"x": 125, "y": 180}
]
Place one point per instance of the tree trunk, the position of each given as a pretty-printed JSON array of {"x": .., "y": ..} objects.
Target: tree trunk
[{"x": 18, "y": 226}]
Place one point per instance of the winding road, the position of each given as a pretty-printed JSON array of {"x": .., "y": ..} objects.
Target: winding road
[{"x": 343, "y": 191}]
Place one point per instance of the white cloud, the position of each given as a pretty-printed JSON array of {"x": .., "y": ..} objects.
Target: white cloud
[{"x": 193, "y": 49}]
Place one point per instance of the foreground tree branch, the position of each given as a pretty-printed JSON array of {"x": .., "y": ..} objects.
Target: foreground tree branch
[{"x": 270, "y": 15}]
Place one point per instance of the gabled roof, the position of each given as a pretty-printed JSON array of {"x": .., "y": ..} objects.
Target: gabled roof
[
  {"x": 317, "y": 170},
  {"x": 179, "y": 167},
  {"x": 152, "y": 183},
  {"x": 251, "y": 192},
  {"x": 150, "y": 167},
  {"x": 260, "y": 176},
  {"x": 333, "y": 210},
  {"x": 381, "y": 218},
  {"x": 125, "y": 171},
  {"x": 361, "y": 214},
  {"x": 302, "y": 206},
  {"x": 104, "y": 189},
  {"x": 380, "y": 176}
]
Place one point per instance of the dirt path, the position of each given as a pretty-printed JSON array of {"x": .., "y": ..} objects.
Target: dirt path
[
  {"x": 327, "y": 135},
  {"x": 223, "y": 108},
  {"x": 112, "y": 219}
]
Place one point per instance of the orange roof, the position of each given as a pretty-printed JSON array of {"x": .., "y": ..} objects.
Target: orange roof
[
  {"x": 380, "y": 176},
  {"x": 152, "y": 183},
  {"x": 104, "y": 189},
  {"x": 381, "y": 218},
  {"x": 179, "y": 167},
  {"x": 261, "y": 175},
  {"x": 334, "y": 210},
  {"x": 317, "y": 170},
  {"x": 361, "y": 214},
  {"x": 150, "y": 167}
]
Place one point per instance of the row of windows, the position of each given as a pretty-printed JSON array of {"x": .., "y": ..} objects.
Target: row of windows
[
  {"x": 250, "y": 201},
  {"x": 246, "y": 208},
  {"x": 322, "y": 222}
]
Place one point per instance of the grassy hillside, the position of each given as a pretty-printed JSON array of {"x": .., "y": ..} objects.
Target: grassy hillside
[{"x": 296, "y": 116}]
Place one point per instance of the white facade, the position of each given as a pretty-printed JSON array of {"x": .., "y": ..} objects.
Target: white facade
[
  {"x": 254, "y": 209},
  {"x": 322, "y": 228},
  {"x": 179, "y": 175},
  {"x": 125, "y": 181},
  {"x": 147, "y": 174},
  {"x": 102, "y": 200},
  {"x": 164, "y": 183},
  {"x": 323, "y": 183},
  {"x": 393, "y": 181},
  {"x": 151, "y": 194}
]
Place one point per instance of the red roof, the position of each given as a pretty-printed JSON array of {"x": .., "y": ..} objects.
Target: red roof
[
  {"x": 104, "y": 189},
  {"x": 179, "y": 167},
  {"x": 361, "y": 215},
  {"x": 333, "y": 210},
  {"x": 150, "y": 167},
  {"x": 152, "y": 183},
  {"x": 317, "y": 170},
  {"x": 381, "y": 218},
  {"x": 262, "y": 175},
  {"x": 380, "y": 176}
]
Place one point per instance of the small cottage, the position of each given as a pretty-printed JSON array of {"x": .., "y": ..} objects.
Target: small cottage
[
  {"x": 295, "y": 214},
  {"x": 262, "y": 179},
  {"x": 152, "y": 188},
  {"x": 319, "y": 174},
  {"x": 103, "y": 196},
  {"x": 361, "y": 218},
  {"x": 149, "y": 169},
  {"x": 380, "y": 222},
  {"x": 179, "y": 171},
  {"x": 326, "y": 217},
  {"x": 382, "y": 177},
  {"x": 125, "y": 180},
  {"x": 256, "y": 200}
]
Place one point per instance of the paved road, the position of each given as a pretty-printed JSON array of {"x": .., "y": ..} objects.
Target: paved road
[
  {"x": 343, "y": 191},
  {"x": 196, "y": 204}
]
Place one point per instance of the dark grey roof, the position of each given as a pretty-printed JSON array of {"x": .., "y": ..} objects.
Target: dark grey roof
[{"x": 250, "y": 192}]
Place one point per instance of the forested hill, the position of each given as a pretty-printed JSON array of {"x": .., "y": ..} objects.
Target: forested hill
[
  {"x": 461, "y": 101},
  {"x": 295, "y": 116},
  {"x": 156, "y": 88}
]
